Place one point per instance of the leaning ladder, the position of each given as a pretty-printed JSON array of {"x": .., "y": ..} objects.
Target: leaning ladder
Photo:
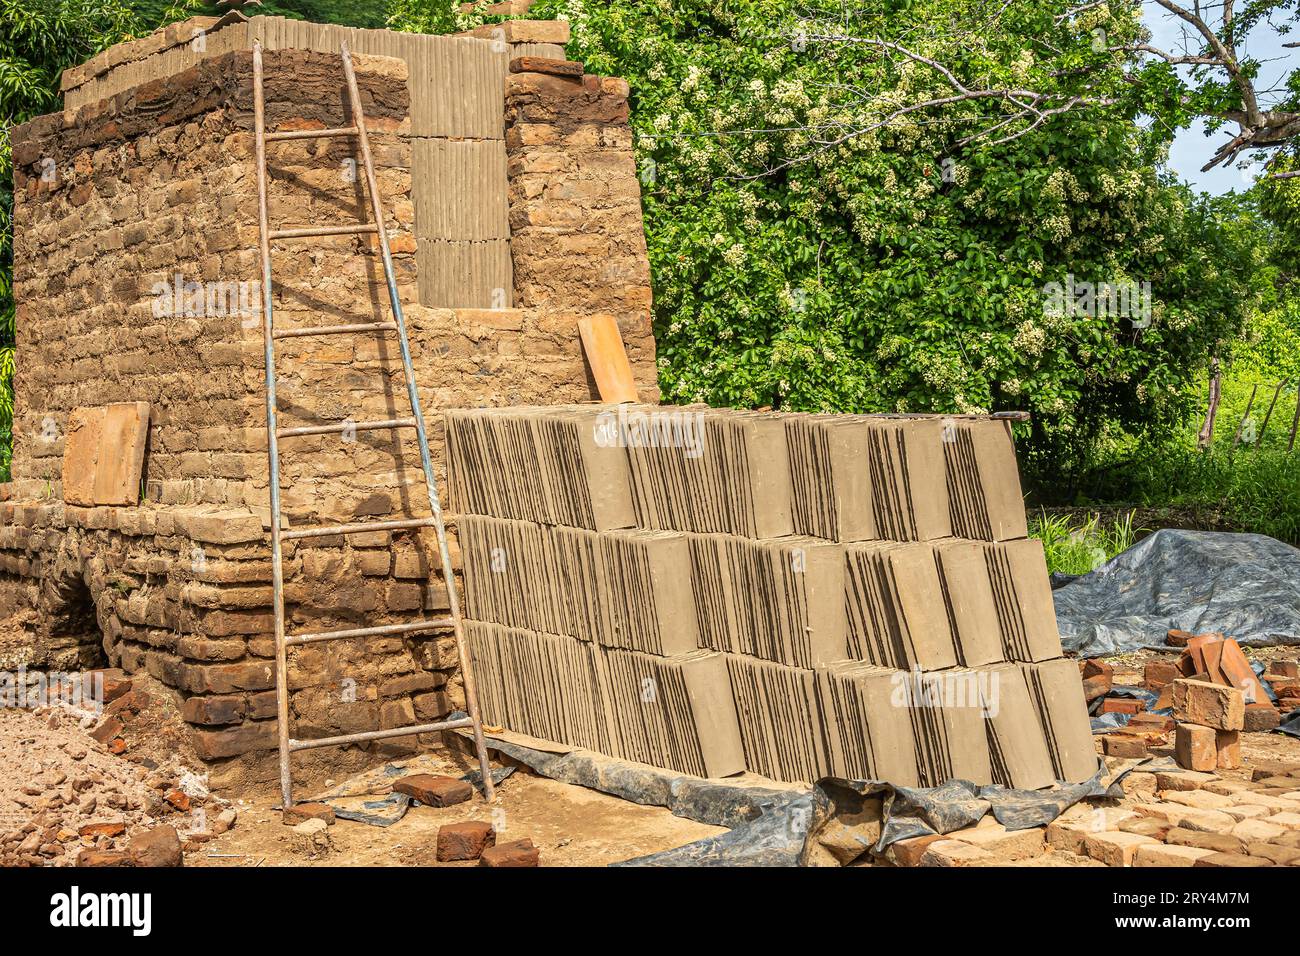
[{"x": 274, "y": 433}]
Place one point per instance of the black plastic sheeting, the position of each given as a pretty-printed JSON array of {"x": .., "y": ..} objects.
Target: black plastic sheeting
[
  {"x": 1246, "y": 586},
  {"x": 838, "y": 821},
  {"x": 770, "y": 826}
]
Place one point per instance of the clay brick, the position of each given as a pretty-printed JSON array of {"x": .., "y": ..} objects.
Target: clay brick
[
  {"x": 1095, "y": 687},
  {"x": 1210, "y": 705},
  {"x": 1157, "y": 674},
  {"x": 1257, "y": 831},
  {"x": 1283, "y": 669},
  {"x": 1183, "y": 780},
  {"x": 226, "y": 678},
  {"x": 520, "y": 853},
  {"x": 107, "y": 730},
  {"x": 1232, "y": 860},
  {"x": 1115, "y": 847},
  {"x": 1227, "y": 744},
  {"x": 157, "y": 847},
  {"x": 1218, "y": 842},
  {"x": 1275, "y": 853},
  {"x": 1147, "y": 826},
  {"x": 302, "y": 812},
  {"x": 213, "y": 710},
  {"x": 109, "y": 828},
  {"x": 464, "y": 841},
  {"x": 434, "y": 790},
  {"x": 909, "y": 852},
  {"x": 1194, "y": 747},
  {"x": 1177, "y": 638},
  {"x": 1095, "y": 667},
  {"x": 104, "y": 858},
  {"x": 538, "y": 64},
  {"x": 1122, "y": 705},
  {"x": 1163, "y": 855},
  {"x": 232, "y": 741},
  {"x": 1003, "y": 843},
  {"x": 1260, "y": 718},
  {"x": 1123, "y": 745}
]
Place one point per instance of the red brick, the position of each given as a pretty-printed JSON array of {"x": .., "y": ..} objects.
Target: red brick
[
  {"x": 1095, "y": 667},
  {"x": 1177, "y": 638},
  {"x": 541, "y": 64},
  {"x": 1094, "y": 687},
  {"x": 1194, "y": 747},
  {"x": 909, "y": 852},
  {"x": 232, "y": 741},
  {"x": 434, "y": 790},
  {"x": 213, "y": 710},
  {"x": 104, "y": 858},
  {"x": 1210, "y": 705},
  {"x": 1123, "y": 745},
  {"x": 110, "y": 828},
  {"x": 1282, "y": 669},
  {"x": 1227, "y": 744},
  {"x": 1261, "y": 716},
  {"x": 302, "y": 812},
  {"x": 1157, "y": 674},
  {"x": 107, "y": 730},
  {"x": 518, "y": 853},
  {"x": 464, "y": 841},
  {"x": 1121, "y": 705},
  {"x": 157, "y": 847}
]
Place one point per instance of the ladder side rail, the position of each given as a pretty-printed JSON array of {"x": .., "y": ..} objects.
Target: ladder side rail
[
  {"x": 272, "y": 447},
  {"x": 467, "y": 674}
]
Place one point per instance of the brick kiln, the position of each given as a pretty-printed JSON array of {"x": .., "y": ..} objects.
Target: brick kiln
[{"x": 514, "y": 211}]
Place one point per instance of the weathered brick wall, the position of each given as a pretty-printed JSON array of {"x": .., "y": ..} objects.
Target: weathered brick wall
[
  {"x": 576, "y": 233},
  {"x": 159, "y": 181}
]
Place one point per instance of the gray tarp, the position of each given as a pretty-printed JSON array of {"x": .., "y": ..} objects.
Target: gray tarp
[{"x": 1246, "y": 586}]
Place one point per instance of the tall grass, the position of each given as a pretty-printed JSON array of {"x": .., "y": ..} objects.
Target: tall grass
[
  {"x": 1074, "y": 547},
  {"x": 1255, "y": 489}
]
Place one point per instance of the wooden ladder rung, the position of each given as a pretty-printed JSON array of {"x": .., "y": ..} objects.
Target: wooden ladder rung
[
  {"x": 344, "y": 426},
  {"x": 335, "y": 330},
  {"x": 381, "y": 734},
  {"x": 357, "y": 528},
  {"x": 310, "y": 133},
  {"x": 426, "y": 625},
  {"x": 301, "y": 232}
]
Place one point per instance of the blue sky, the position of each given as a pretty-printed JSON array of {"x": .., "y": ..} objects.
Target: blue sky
[{"x": 1192, "y": 149}]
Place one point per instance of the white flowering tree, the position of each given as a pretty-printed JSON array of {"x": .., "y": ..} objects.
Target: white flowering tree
[{"x": 844, "y": 225}]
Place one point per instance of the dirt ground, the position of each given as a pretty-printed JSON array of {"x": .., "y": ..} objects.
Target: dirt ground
[{"x": 572, "y": 826}]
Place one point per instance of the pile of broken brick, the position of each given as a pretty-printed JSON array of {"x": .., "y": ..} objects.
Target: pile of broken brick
[
  {"x": 1207, "y": 661},
  {"x": 1167, "y": 818},
  {"x": 460, "y": 842},
  {"x": 72, "y": 799}
]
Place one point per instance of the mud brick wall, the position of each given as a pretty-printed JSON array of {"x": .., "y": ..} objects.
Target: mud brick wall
[
  {"x": 576, "y": 232},
  {"x": 159, "y": 180}
]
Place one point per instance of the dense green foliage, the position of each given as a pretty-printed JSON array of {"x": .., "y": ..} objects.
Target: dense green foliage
[
  {"x": 801, "y": 267},
  {"x": 1077, "y": 547}
]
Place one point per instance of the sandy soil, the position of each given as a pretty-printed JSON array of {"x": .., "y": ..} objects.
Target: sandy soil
[{"x": 572, "y": 826}]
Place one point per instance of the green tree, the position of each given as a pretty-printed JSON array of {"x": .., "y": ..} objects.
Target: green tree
[{"x": 864, "y": 212}]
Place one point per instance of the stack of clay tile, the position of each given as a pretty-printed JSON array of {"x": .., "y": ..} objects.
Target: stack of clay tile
[{"x": 794, "y": 595}]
